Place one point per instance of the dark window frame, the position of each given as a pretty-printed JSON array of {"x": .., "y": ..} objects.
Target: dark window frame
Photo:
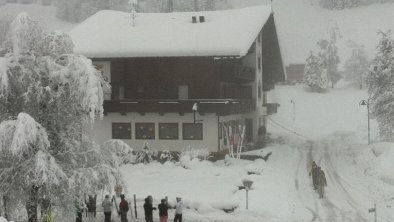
[
  {"x": 192, "y": 124},
  {"x": 161, "y": 137},
  {"x": 128, "y": 137},
  {"x": 138, "y": 134}
]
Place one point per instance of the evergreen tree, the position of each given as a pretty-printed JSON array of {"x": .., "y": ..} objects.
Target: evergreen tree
[
  {"x": 330, "y": 59},
  {"x": 381, "y": 82},
  {"x": 315, "y": 75},
  {"x": 356, "y": 66},
  {"x": 49, "y": 99}
]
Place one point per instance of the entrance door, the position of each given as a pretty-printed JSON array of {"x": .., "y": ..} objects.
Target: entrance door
[
  {"x": 249, "y": 130},
  {"x": 183, "y": 92}
]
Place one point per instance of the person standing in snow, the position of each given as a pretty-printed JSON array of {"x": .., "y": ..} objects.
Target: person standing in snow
[
  {"x": 123, "y": 208},
  {"x": 322, "y": 182},
  {"x": 314, "y": 172},
  {"x": 178, "y": 210},
  {"x": 78, "y": 210},
  {"x": 107, "y": 208},
  {"x": 148, "y": 209},
  {"x": 91, "y": 205},
  {"x": 163, "y": 210}
]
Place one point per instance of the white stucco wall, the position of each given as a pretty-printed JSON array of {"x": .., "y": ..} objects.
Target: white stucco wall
[{"x": 102, "y": 130}]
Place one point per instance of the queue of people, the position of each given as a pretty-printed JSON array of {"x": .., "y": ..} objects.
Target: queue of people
[
  {"x": 124, "y": 208},
  {"x": 163, "y": 210},
  {"x": 318, "y": 178}
]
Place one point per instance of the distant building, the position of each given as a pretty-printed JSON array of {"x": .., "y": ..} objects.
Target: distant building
[
  {"x": 295, "y": 73},
  {"x": 181, "y": 79}
]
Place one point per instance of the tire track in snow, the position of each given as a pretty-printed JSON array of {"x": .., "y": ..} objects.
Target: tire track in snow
[
  {"x": 314, "y": 212},
  {"x": 332, "y": 173}
]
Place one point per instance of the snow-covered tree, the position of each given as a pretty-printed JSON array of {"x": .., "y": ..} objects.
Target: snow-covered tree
[
  {"x": 381, "y": 82},
  {"x": 49, "y": 98},
  {"x": 356, "y": 66},
  {"x": 315, "y": 75},
  {"x": 329, "y": 57}
]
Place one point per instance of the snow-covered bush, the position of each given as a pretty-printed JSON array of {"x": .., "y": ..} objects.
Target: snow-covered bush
[
  {"x": 201, "y": 154},
  {"x": 166, "y": 156},
  {"x": 256, "y": 167},
  {"x": 145, "y": 155},
  {"x": 122, "y": 151},
  {"x": 190, "y": 157}
]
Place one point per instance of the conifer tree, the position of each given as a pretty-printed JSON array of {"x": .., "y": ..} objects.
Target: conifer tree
[
  {"x": 380, "y": 83},
  {"x": 315, "y": 75},
  {"x": 356, "y": 66}
]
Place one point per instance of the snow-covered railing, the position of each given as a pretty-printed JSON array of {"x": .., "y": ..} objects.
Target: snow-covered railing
[{"x": 220, "y": 106}]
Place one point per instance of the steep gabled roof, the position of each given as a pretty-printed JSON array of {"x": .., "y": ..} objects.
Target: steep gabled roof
[{"x": 111, "y": 34}]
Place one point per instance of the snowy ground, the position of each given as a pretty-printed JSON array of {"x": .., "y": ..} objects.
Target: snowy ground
[{"x": 358, "y": 175}]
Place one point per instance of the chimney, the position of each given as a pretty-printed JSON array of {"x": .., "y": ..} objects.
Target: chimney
[
  {"x": 194, "y": 19},
  {"x": 202, "y": 19}
]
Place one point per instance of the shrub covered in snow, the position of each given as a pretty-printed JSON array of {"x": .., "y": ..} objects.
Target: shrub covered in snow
[
  {"x": 145, "y": 155},
  {"x": 256, "y": 167},
  {"x": 166, "y": 156},
  {"x": 123, "y": 153},
  {"x": 190, "y": 157}
]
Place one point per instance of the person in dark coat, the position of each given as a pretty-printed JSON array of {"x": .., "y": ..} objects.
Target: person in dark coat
[
  {"x": 163, "y": 210},
  {"x": 79, "y": 207},
  {"x": 123, "y": 208},
  {"x": 315, "y": 174},
  {"x": 321, "y": 183},
  {"x": 148, "y": 209}
]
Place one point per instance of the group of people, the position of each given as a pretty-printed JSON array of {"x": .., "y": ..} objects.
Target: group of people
[
  {"x": 318, "y": 179},
  {"x": 163, "y": 210},
  {"x": 107, "y": 208},
  {"x": 124, "y": 208}
]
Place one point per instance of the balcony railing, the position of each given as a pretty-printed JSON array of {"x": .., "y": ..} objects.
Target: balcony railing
[{"x": 221, "y": 107}]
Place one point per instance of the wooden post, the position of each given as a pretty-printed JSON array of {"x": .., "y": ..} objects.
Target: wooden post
[
  {"x": 376, "y": 214},
  {"x": 135, "y": 206}
]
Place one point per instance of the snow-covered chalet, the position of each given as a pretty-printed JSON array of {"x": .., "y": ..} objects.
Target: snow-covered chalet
[{"x": 182, "y": 79}]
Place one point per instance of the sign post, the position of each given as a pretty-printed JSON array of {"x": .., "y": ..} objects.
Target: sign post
[
  {"x": 247, "y": 184},
  {"x": 366, "y": 103},
  {"x": 373, "y": 210}
]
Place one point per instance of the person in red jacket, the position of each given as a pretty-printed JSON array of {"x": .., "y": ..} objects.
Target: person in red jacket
[{"x": 123, "y": 208}]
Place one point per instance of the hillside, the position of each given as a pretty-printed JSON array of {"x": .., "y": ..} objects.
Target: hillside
[
  {"x": 46, "y": 15},
  {"x": 301, "y": 24}
]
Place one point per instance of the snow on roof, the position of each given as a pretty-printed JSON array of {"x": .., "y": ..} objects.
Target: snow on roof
[{"x": 111, "y": 34}]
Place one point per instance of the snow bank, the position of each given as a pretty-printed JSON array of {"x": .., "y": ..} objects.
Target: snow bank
[
  {"x": 2, "y": 219},
  {"x": 384, "y": 163}
]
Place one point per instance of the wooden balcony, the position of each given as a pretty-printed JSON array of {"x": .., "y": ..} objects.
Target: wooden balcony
[{"x": 221, "y": 107}]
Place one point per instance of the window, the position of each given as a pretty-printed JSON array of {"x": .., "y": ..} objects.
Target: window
[
  {"x": 121, "y": 131},
  {"x": 192, "y": 131},
  {"x": 145, "y": 131},
  {"x": 183, "y": 92},
  {"x": 168, "y": 131}
]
